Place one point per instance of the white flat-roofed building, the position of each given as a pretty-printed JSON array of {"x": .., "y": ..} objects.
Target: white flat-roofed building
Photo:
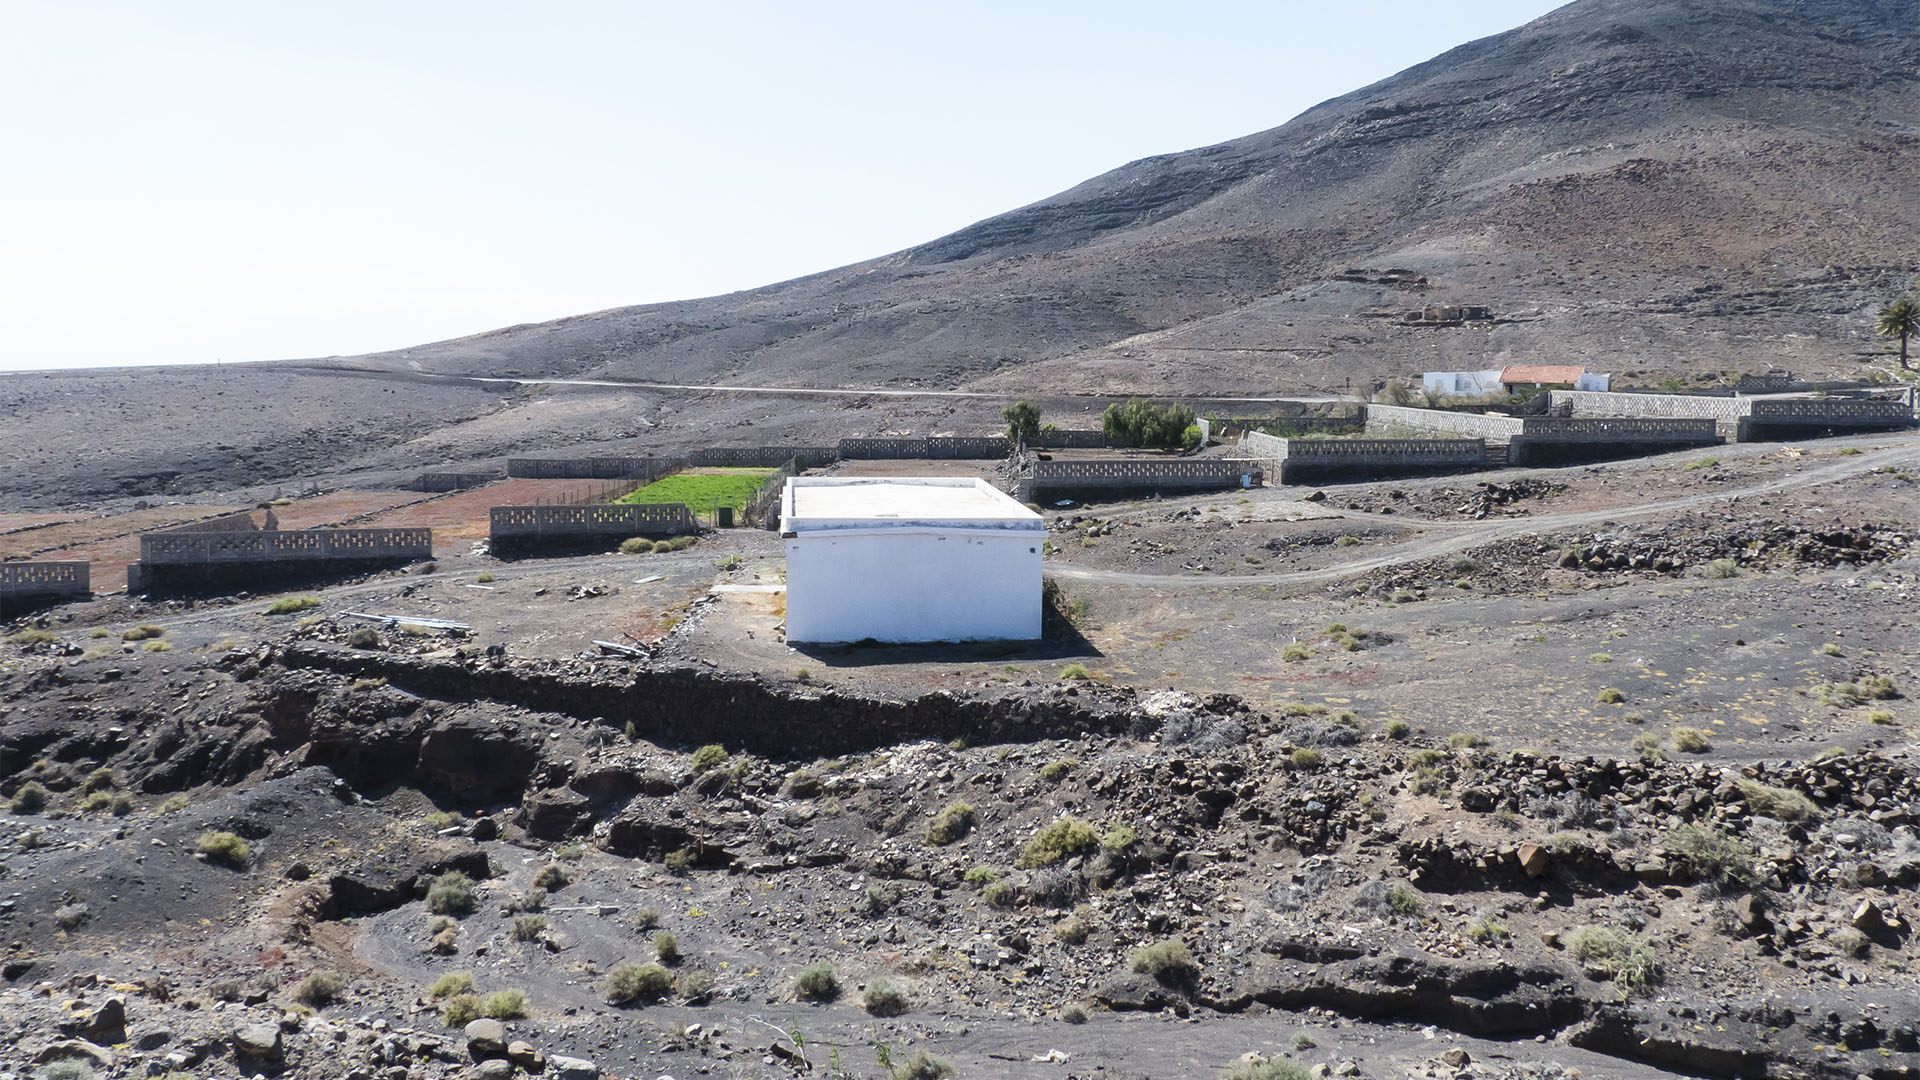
[{"x": 904, "y": 559}]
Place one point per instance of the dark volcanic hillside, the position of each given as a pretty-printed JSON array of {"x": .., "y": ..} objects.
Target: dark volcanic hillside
[
  {"x": 1649, "y": 186},
  {"x": 1707, "y": 182}
]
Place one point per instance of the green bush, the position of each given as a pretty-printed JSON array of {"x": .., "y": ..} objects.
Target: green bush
[
  {"x": 982, "y": 876},
  {"x": 552, "y": 876},
  {"x": 29, "y": 798},
  {"x": 696, "y": 985},
  {"x": 1140, "y": 422},
  {"x": 1075, "y": 672},
  {"x": 636, "y": 545},
  {"x": 570, "y": 852},
  {"x": 529, "y": 927},
  {"x": 68, "y": 1069},
  {"x": 1466, "y": 740},
  {"x": 450, "y": 894},
  {"x": 1055, "y": 771},
  {"x": 1003, "y": 894},
  {"x": 1626, "y": 959},
  {"x": 1023, "y": 420},
  {"x": 661, "y": 547},
  {"x": 666, "y": 947},
  {"x": 1066, "y": 837},
  {"x": 1610, "y": 696},
  {"x": 643, "y": 983},
  {"x": 452, "y": 984},
  {"x": 954, "y": 821},
  {"x": 504, "y": 1005},
  {"x": 33, "y": 636},
  {"x": 710, "y": 756},
  {"x": 1295, "y": 652},
  {"x": 320, "y": 988},
  {"x": 1305, "y": 758},
  {"x": 1073, "y": 930},
  {"x": 1404, "y": 900},
  {"x": 460, "y": 1010},
  {"x": 485, "y": 577},
  {"x": 883, "y": 998},
  {"x": 223, "y": 847},
  {"x": 1487, "y": 931},
  {"x": 1398, "y": 729},
  {"x": 1168, "y": 961},
  {"x": 142, "y": 632},
  {"x": 290, "y": 604},
  {"x": 1119, "y": 838},
  {"x": 174, "y": 803},
  {"x": 817, "y": 982},
  {"x": 646, "y": 919}
]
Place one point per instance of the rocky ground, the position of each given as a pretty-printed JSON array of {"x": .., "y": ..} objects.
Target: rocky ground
[{"x": 1226, "y": 810}]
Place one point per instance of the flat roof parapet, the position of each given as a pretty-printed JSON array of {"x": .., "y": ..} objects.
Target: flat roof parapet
[{"x": 838, "y": 503}]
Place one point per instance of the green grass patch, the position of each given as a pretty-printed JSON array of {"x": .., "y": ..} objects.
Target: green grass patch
[{"x": 702, "y": 489}]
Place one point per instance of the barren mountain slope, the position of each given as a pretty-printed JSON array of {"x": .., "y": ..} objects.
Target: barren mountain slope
[{"x": 1701, "y": 182}]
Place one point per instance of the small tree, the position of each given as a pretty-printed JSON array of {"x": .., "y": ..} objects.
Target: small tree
[
  {"x": 1023, "y": 420},
  {"x": 1899, "y": 319},
  {"x": 1140, "y": 422}
]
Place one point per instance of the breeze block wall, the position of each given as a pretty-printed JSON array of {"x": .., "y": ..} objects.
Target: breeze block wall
[
  {"x": 1178, "y": 475},
  {"x": 521, "y": 529}
]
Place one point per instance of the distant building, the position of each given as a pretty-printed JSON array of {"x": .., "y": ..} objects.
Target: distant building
[
  {"x": 1462, "y": 383},
  {"x": 1511, "y": 379},
  {"x": 909, "y": 560}
]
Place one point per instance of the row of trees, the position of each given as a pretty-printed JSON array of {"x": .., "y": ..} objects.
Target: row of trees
[{"x": 1138, "y": 422}]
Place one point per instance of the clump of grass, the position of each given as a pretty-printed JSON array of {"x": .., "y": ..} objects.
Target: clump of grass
[
  {"x": 570, "y": 852},
  {"x": 157, "y": 646},
  {"x": 1305, "y": 758},
  {"x": 529, "y": 927},
  {"x": 452, "y": 984},
  {"x": 1466, "y": 740},
  {"x": 1704, "y": 463},
  {"x": 223, "y": 847},
  {"x": 1001, "y": 894},
  {"x": 696, "y": 985},
  {"x": 460, "y": 1010},
  {"x": 1273, "y": 1068},
  {"x": 1119, "y": 838},
  {"x": 952, "y": 823},
  {"x": 1628, "y": 960},
  {"x": 552, "y": 876},
  {"x": 817, "y": 982},
  {"x": 368, "y": 685},
  {"x": 29, "y": 798},
  {"x": 679, "y": 862},
  {"x": 1073, "y": 930},
  {"x": 1168, "y": 961},
  {"x": 1075, "y": 672},
  {"x": 661, "y": 547},
  {"x": 1880, "y": 716},
  {"x": 883, "y": 998},
  {"x": 1609, "y": 696},
  {"x": 287, "y": 605},
  {"x": 1404, "y": 900},
  {"x": 636, "y": 545},
  {"x": 174, "y": 803},
  {"x": 1487, "y": 931},
  {"x": 1601, "y": 658},
  {"x": 1398, "y": 729},
  {"x": 921, "y": 1066},
  {"x": 485, "y": 577},
  {"x": 1780, "y": 803},
  {"x": 1716, "y": 857},
  {"x": 142, "y": 632},
  {"x": 1066, "y": 837},
  {"x": 33, "y": 635},
  {"x": 1055, "y": 771},
  {"x": 319, "y": 989},
  {"x": 982, "y": 876},
  {"x": 1295, "y": 652},
  {"x": 710, "y": 756},
  {"x": 504, "y": 1005},
  {"x": 451, "y": 894},
  {"x": 646, "y": 919},
  {"x": 666, "y": 948},
  {"x": 1830, "y": 649},
  {"x": 1690, "y": 740}
]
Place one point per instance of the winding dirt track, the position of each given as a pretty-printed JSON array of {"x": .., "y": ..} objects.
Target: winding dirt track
[{"x": 1462, "y": 536}]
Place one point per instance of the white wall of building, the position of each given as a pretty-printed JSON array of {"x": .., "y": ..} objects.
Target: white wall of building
[{"x": 904, "y": 585}]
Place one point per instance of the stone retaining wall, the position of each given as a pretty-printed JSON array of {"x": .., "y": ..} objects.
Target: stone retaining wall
[
  {"x": 1799, "y": 418},
  {"x": 1467, "y": 425},
  {"x": 452, "y": 481},
  {"x": 1307, "y": 460}
]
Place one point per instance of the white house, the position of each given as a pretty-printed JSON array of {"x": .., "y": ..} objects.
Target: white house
[{"x": 901, "y": 559}]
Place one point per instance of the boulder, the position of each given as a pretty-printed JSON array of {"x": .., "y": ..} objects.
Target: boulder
[
  {"x": 104, "y": 1024},
  {"x": 1532, "y": 858},
  {"x": 561, "y": 1067},
  {"x": 1751, "y": 910},
  {"x": 523, "y": 1054},
  {"x": 486, "y": 1038},
  {"x": 260, "y": 1041},
  {"x": 1869, "y": 919}
]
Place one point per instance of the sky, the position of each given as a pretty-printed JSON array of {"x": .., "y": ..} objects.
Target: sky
[{"x": 197, "y": 181}]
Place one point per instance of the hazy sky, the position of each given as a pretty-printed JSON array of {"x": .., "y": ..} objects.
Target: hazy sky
[{"x": 192, "y": 181}]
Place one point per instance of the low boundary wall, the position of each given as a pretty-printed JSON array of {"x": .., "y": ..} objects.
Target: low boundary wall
[
  {"x": 763, "y": 457},
  {"x": 452, "y": 481},
  {"x": 1593, "y": 403},
  {"x": 1800, "y": 418},
  {"x": 519, "y": 528},
  {"x": 1292, "y": 461},
  {"x": 590, "y": 468},
  {"x": 28, "y": 584},
  {"x": 1192, "y": 474},
  {"x": 233, "y": 553},
  {"x": 934, "y": 447}
]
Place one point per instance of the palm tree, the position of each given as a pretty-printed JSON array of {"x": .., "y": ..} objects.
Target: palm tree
[{"x": 1899, "y": 319}]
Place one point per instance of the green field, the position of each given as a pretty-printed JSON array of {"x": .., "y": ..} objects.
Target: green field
[{"x": 702, "y": 489}]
